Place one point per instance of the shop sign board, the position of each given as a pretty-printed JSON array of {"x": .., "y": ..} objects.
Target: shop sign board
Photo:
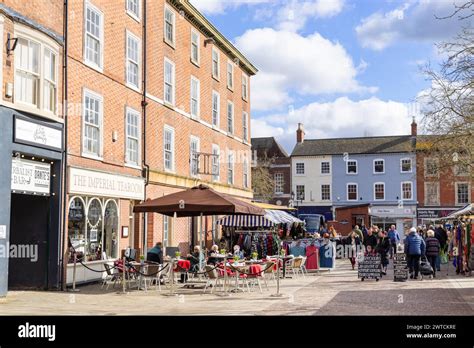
[
  {"x": 392, "y": 212},
  {"x": 90, "y": 182},
  {"x": 369, "y": 267},
  {"x": 400, "y": 270},
  {"x": 38, "y": 134},
  {"x": 30, "y": 177},
  {"x": 424, "y": 213}
]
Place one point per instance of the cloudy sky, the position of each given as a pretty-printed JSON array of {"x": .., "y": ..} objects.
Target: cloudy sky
[{"x": 343, "y": 68}]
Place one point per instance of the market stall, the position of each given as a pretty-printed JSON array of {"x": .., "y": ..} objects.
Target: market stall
[{"x": 462, "y": 243}]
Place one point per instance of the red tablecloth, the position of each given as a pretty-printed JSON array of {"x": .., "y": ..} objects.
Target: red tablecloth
[
  {"x": 183, "y": 265},
  {"x": 255, "y": 271}
]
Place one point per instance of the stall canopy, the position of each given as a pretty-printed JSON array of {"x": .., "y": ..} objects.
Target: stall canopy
[
  {"x": 466, "y": 211},
  {"x": 196, "y": 201},
  {"x": 271, "y": 218}
]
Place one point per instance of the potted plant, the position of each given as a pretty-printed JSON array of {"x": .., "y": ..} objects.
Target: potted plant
[
  {"x": 254, "y": 255},
  {"x": 222, "y": 251},
  {"x": 177, "y": 254},
  {"x": 236, "y": 258},
  {"x": 142, "y": 259}
]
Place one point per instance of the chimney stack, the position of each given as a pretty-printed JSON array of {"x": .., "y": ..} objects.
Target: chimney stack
[
  {"x": 414, "y": 128},
  {"x": 300, "y": 133}
]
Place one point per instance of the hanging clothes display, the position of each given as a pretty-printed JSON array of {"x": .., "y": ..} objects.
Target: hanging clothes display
[{"x": 327, "y": 254}]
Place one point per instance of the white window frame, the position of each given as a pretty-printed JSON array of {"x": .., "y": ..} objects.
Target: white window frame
[
  {"x": 99, "y": 67},
  {"x": 411, "y": 190},
  {"x": 347, "y": 167},
  {"x": 198, "y": 46},
  {"x": 321, "y": 168},
  {"x": 245, "y": 126},
  {"x": 217, "y": 150},
  {"x": 383, "y": 164},
  {"x": 296, "y": 169},
  {"x": 427, "y": 203},
  {"x": 231, "y": 70},
  {"x": 166, "y": 230},
  {"x": 127, "y": 60},
  {"x": 375, "y": 194},
  {"x": 456, "y": 197},
  {"x": 245, "y": 87},
  {"x": 172, "y": 150},
  {"x": 232, "y": 131},
  {"x": 129, "y": 110},
  {"x": 132, "y": 14},
  {"x": 277, "y": 184},
  {"x": 426, "y": 160},
  {"x": 84, "y": 152},
  {"x": 218, "y": 110},
  {"x": 230, "y": 167},
  {"x": 198, "y": 148},
  {"x": 401, "y": 165},
  {"x": 245, "y": 174},
  {"x": 218, "y": 76},
  {"x": 198, "y": 98},
  {"x": 171, "y": 43},
  {"x": 347, "y": 191},
  {"x": 173, "y": 82},
  {"x": 44, "y": 44},
  {"x": 298, "y": 198},
  {"x": 330, "y": 193}
]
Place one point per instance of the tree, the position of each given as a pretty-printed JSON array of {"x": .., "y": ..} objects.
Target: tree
[
  {"x": 448, "y": 113},
  {"x": 262, "y": 181}
]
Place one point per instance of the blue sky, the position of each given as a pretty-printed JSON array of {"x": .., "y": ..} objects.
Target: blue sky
[{"x": 341, "y": 67}]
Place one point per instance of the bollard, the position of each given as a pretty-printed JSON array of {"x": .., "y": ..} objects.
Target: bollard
[
  {"x": 74, "y": 273},
  {"x": 124, "y": 277}
]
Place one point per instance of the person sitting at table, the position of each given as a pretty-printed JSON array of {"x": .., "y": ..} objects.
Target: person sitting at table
[
  {"x": 194, "y": 261},
  {"x": 238, "y": 252},
  {"x": 211, "y": 255},
  {"x": 155, "y": 254}
]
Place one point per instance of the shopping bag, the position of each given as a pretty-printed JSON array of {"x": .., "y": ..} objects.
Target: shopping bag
[{"x": 443, "y": 257}]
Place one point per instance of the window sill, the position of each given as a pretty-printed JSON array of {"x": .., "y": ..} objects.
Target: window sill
[
  {"x": 245, "y": 99},
  {"x": 230, "y": 89},
  {"x": 410, "y": 172},
  {"x": 170, "y": 44},
  {"x": 217, "y": 78},
  {"x": 169, "y": 105},
  {"x": 351, "y": 173},
  {"x": 133, "y": 166},
  {"x": 94, "y": 66},
  {"x": 132, "y": 87},
  {"x": 378, "y": 173},
  {"x": 91, "y": 156},
  {"x": 196, "y": 64},
  {"x": 134, "y": 16}
]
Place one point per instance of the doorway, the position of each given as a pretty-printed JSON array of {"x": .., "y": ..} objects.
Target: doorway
[{"x": 29, "y": 229}]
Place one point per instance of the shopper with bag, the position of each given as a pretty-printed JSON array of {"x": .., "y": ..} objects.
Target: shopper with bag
[
  {"x": 414, "y": 248},
  {"x": 432, "y": 249}
]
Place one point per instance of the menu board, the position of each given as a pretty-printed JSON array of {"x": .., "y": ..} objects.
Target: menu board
[
  {"x": 400, "y": 270},
  {"x": 369, "y": 267}
]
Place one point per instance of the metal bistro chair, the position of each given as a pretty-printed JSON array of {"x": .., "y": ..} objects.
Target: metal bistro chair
[
  {"x": 294, "y": 265},
  {"x": 303, "y": 269},
  {"x": 213, "y": 278},
  {"x": 269, "y": 272},
  {"x": 111, "y": 275},
  {"x": 151, "y": 273}
]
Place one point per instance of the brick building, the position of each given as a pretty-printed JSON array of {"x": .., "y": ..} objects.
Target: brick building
[
  {"x": 270, "y": 153},
  {"x": 440, "y": 189},
  {"x": 153, "y": 93},
  {"x": 31, "y": 143}
]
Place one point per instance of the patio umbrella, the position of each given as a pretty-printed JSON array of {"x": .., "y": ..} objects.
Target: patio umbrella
[{"x": 199, "y": 201}]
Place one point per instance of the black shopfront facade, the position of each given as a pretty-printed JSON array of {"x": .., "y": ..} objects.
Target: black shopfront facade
[{"x": 31, "y": 157}]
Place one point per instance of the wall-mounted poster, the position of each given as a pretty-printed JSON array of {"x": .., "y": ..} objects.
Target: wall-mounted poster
[
  {"x": 124, "y": 231},
  {"x": 93, "y": 236}
]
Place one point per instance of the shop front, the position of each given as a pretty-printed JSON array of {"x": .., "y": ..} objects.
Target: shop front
[
  {"x": 100, "y": 222},
  {"x": 432, "y": 215},
  {"x": 30, "y": 186},
  {"x": 402, "y": 217}
]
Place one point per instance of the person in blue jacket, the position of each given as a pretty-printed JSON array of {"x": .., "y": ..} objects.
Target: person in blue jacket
[
  {"x": 414, "y": 248},
  {"x": 394, "y": 238}
]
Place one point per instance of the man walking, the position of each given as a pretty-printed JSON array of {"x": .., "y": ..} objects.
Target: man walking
[
  {"x": 394, "y": 238},
  {"x": 414, "y": 248}
]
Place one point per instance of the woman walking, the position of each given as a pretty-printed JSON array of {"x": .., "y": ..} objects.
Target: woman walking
[
  {"x": 383, "y": 248},
  {"x": 353, "y": 245}
]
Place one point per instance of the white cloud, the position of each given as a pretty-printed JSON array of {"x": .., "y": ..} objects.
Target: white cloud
[
  {"x": 294, "y": 15},
  {"x": 342, "y": 117},
  {"x": 306, "y": 65},
  {"x": 413, "y": 21},
  {"x": 213, "y": 7}
]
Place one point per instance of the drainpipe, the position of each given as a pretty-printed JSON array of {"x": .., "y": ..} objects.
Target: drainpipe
[
  {"x": 63, "y": 221},
  {"x": 145, "y": 166}
]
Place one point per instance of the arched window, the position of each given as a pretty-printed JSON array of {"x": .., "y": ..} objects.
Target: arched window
[
  {"x": 94, "y": 231},
  {"x": 77, "y": 226},
  {"x": 110, "y": 246}
]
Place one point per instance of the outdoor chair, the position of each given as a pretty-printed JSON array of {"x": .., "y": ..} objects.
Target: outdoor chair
[
  {"x": 213, "y": 278},
  {"x": 303, "y": 269},
  {"x": 253, "y": 275},
  {"x": 294, "y": 265},
  {"x": 269, "y": 271},
  {"x": 151, "y": 273},
  {"x": 111, "y": 275}
]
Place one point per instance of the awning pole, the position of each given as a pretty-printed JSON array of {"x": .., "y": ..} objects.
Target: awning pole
[{"x": 201, "y": 242}]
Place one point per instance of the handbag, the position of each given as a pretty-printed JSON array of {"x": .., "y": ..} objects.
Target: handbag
[{"x": 443, "y": 257}]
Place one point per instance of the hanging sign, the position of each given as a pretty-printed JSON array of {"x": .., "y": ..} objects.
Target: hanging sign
[{"x": 30, "y": 177}]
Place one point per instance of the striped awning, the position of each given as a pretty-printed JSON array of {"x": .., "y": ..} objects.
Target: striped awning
[
  {"x": 272, "y": 217},
  {"x": 245, "y": 221},
  {"x": 467, "y": 210}
]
